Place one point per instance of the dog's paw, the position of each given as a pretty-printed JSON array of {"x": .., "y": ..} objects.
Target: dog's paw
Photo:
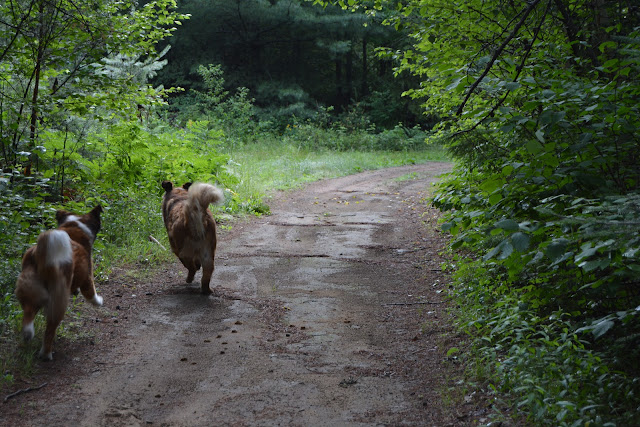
[
  {"x": 47, "y": 357},
  {"x": 28, "y": 332},
  {"x": 206, "y": 291},
  {"x": 97, "y": 300}
]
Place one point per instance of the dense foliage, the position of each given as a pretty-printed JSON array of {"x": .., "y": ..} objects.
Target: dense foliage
[
  {"x": 294, "y": 59},
  {"x": 539, "y": 102}
]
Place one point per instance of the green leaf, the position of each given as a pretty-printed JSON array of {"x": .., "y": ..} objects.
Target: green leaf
[
  {"x": 491, "y": 185},
  {"x": 534, "y": 147},
  {"x": 507, "y": 225},
  {"x": 503, "y": 251},
  {"x": 587, "y": 251},
  {"x": 447, "y": 226},
  {"x": 495, "y": 198},
  {"x": 493, "y": 252},
  {"x": 597, "y": 264},
  {"x": 602, "y": 328},
  {"x": 506, "y": 250},
  {"x": 507, "y": 170},
  {"x": 556, "y": 248},
  {"x": 453, "y": 86},
  {"x": 520, "y": 241},
  {"x": 512, "y": 85}
]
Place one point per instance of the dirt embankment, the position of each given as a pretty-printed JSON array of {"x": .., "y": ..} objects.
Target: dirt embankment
[{"x": 329, "y": 312}]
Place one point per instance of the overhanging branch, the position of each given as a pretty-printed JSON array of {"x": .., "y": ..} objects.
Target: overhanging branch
[{"x": 532, "y": 5}]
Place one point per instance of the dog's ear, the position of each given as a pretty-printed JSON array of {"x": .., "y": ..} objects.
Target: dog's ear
[
  {"x": 61, "y": 216},
  {"x": 187, "y": 185},
  {"x": 96, "y": 211},
  {"x": 167, "y": 185}
]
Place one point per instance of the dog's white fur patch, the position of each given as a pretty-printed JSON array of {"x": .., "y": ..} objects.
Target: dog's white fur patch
[
  {"x": 46, "y": 356},
  {"x": 82, "y": 225},
  {"x": 97, "y": 300},
  {"x": 28, "y": 331},
  {"x": 59, "y": 248}
]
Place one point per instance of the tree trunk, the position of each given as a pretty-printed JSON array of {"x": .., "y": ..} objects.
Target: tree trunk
[
  {"x": 364, "y": 89},
  {"x": 572, "y": 29},
  {"x": 34, "y": 102},
  {"x": 339, "y": 91},
  {"x": 37, "y": 71},
  {"x": 349, "y": 75}
]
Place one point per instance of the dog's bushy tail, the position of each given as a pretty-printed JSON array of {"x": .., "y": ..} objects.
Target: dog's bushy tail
[
  {"x": 199, "y": 197},
  {"x": 205, "y": 194},
  {"x": 54, "y": 258}
]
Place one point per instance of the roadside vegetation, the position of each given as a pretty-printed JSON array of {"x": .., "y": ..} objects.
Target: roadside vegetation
[
  {"x": 535, "y": 101},
  {"x": 538, "y": 103}
]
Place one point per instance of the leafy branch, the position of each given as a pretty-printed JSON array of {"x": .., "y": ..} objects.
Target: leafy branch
[{"x": 496, "y": 54}]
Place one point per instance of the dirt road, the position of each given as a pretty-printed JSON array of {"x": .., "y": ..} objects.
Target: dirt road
[{"x": 328, "y": 312}]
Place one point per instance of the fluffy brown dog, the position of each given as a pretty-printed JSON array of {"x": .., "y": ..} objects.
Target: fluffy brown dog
[
  {"x": 191, "y": 227},
  {"x": 58, "y": 265}
]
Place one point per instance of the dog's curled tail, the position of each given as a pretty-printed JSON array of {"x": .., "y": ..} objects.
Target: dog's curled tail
[
  {"x": 199, "y": 197},
  {"x": 204, "y": 194},
  {"x": 54, "y": 258}
]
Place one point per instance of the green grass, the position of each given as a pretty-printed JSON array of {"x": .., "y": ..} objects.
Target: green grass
[{"x": 264, "y": 167}]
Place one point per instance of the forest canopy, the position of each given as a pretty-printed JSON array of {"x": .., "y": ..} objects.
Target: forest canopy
[{"x": 294, "y": 58}]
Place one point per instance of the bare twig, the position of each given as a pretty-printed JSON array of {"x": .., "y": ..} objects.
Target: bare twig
[
  {"x": 24, "y": 390},
  {"x": 424, "y": 349},
  {"x": 154, "y": 240}
]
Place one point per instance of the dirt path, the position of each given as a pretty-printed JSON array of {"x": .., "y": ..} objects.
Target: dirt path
[{"x": 327, "y": 313}]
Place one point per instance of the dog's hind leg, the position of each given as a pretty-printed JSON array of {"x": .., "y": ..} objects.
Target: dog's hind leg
[
  {"x": 53, "y": 320},
  {"x": 208, "y": 265},
  {"x": 192, "y": 268},
  {"x": 32, "y": 295},
  {"x": 28, "y": 317},
  {"x": 56, "y": 308},
  {"x": 207, "y": 272}
]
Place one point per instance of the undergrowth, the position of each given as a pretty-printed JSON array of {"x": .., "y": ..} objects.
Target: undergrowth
[{"x": 540, "y": 366}]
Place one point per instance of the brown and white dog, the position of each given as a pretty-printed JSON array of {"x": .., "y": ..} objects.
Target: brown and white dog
[
  {"x": 191, "y": 227},
  {"x": 58, "y": 265}
]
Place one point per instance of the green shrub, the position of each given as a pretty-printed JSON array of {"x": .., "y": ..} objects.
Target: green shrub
[
  {"x": 547, "y": 198},
  {"x": 546, "y": 368}
]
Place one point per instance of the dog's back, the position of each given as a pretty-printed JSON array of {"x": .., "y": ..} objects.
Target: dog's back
[{"x": 82, "y": 229}]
